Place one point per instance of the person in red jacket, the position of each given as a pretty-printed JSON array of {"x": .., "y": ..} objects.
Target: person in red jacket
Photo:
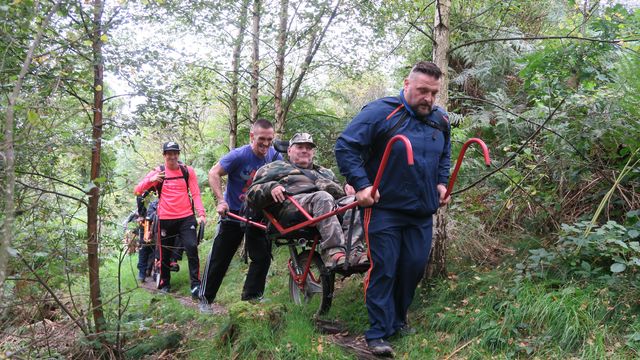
[{"x": 177, "y": 188}]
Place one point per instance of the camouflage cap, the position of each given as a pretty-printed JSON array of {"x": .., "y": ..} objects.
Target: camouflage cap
[{"x": 302, "y": 138}]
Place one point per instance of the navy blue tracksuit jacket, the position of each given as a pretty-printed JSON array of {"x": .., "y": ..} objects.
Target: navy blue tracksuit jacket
[{"x": 398, "y": 227}]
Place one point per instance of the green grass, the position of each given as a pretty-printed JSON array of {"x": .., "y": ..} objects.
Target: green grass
[{"x": 478, "y": 313}]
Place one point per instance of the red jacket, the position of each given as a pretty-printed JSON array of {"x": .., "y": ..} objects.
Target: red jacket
[{"x": 174, "y": 201}]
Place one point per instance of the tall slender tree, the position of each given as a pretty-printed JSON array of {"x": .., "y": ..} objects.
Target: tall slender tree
[
  {"x": 93, "y": 236},
  {"x": 438, "y": 264},
  {"x": 317, "y": 32},
  {"x": 255, "y": 59},
  {"x": 235, "y": 76},
  {"x": 280, "y": 55},
  {"x": 8, "y": 155}
]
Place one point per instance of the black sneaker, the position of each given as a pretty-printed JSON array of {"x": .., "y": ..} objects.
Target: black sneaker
[
  {"x": 165, "y": 290},
  {"x": 380, "y": 347},
  {"x": 195, "y": 293},
  {"x": 174, "y": 266}
]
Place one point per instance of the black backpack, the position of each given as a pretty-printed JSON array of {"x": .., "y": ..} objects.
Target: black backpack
[{"x": 185, "y": 176}]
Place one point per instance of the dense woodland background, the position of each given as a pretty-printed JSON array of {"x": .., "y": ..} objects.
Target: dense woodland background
[{"x": 539, "y": 253}]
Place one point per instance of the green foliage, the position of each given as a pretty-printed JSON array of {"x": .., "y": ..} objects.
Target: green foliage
[
  {"x": 608, "y": 253},
  {"x": 156, "y": 344}
]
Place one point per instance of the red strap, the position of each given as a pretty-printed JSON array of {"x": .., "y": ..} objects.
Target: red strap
[{"x": 394, "y": 111}]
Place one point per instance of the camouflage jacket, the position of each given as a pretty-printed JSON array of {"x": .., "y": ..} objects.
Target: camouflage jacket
[{"x": 294, "y": 180}]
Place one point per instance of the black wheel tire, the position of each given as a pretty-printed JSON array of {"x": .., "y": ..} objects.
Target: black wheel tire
[{"x": 318, "y": 289}]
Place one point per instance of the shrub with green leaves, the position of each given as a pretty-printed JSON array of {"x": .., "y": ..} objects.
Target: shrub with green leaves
[{"x": 605, "y": 252}]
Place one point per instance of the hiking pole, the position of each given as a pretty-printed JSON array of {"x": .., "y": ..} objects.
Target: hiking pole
[{"x": 487, "y": 161}]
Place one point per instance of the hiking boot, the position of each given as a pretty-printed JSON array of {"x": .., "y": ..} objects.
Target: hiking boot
[
  {"x": 380, "y": 347},
  {"x": 205, "y": 307},
  {"x": 195, "y": 293},
  {"x": 165, "y": 290},
  {"x": 142, "y": 276},
  {"x": 333, "y": 258},
  {"x": 358, "y": 258},
  {"x": 174, "y": 266}
]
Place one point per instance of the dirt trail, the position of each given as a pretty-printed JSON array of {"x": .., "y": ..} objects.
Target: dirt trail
[
  {"x": 338, "y": 334},
  {"x": 150, "y": 286}
]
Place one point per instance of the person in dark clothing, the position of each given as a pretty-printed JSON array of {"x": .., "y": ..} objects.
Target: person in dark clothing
[
  {"x": 147, "y": 245},
  {"x": 240, "y": 166},
  {"x": 398, "y": 218}
]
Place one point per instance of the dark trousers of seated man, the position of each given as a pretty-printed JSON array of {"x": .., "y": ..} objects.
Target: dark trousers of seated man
[
  {"x": 170, "y": 230},
  {"x": 225, "y": 245}
]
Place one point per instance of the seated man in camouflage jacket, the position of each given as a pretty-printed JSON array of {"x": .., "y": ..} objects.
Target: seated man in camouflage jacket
[{"x": 317, "y": 190}]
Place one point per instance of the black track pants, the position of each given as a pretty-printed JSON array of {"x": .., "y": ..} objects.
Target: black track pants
[
  {"x": 225, "y": 245},
  {"x": 185, "y": 228}
]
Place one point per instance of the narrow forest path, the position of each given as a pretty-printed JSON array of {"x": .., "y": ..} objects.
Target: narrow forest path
[{"x": 150, "y": 286}]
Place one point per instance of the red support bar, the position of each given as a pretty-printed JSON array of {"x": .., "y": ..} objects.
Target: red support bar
[
  {"x": 299, "y": 207},
  {"x": 307, "y": 268},
  {"x": 385, "y": 159},
  {"x": 454, "y": 176},
  {"x": 240, "y": 218},
  {"x": 311, "y": 221}
]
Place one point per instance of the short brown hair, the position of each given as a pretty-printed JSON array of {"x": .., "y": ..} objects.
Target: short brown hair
[
  {"x": 428, "y": 68},
  {"x": 262, "y": 123}
]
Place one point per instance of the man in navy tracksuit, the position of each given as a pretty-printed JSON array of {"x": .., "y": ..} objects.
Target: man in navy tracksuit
[{"x": 398, "y": 218}]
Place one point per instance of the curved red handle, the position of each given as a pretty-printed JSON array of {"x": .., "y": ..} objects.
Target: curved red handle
[
  {"x": 487, "y": 161},
  {"x": 385, "y": 159}
]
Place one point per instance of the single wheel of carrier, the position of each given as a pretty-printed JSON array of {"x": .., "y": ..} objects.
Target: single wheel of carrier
[
  {"x": 317, "y": 290},
  {"x": 156, "y": 273}
]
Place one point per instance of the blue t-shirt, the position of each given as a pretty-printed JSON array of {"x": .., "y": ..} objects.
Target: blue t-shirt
[{"x": 241, "y": 164}]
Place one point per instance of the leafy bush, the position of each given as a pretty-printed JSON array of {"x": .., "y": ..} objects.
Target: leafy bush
[{"x": 602, "y": 253}]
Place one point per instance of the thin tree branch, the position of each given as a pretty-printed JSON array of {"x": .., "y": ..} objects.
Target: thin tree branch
[
  {"x": 423, "y": 32},
  {"x": 409, "y": 28},
  {"x": 554, "y": 37},
  {"x": 517, "y": 152},
  {"x": 584, "y": 157},
  {"x": 50, "y": 178},
  {"x": 482, "y": 12},
  {"x": 52, "y": 192},
  {"x": 120, "y": 95},
  {"x": 53, "y": 295}
]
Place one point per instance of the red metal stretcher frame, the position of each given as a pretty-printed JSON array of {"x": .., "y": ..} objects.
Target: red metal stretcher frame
[{"x": 376, "y": 183}]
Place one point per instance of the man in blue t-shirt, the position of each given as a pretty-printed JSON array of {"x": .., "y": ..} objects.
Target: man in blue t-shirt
[{"x": 240, "y": 166}]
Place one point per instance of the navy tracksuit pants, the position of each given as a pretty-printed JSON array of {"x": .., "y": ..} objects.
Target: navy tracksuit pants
[{"x": 399, "y": 247}]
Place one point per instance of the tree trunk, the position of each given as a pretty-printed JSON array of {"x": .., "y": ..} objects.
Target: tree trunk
[
  {"x": 438, "y": 264},
  {"x": 255, "y": 61},
  {"x": 9, "y": 155},
  {"x": 94, "y": 193},
  {"x": 314, "y": 45},
  {"x": 281, "y": 48},
  {"x": 235, "y": 65}
]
